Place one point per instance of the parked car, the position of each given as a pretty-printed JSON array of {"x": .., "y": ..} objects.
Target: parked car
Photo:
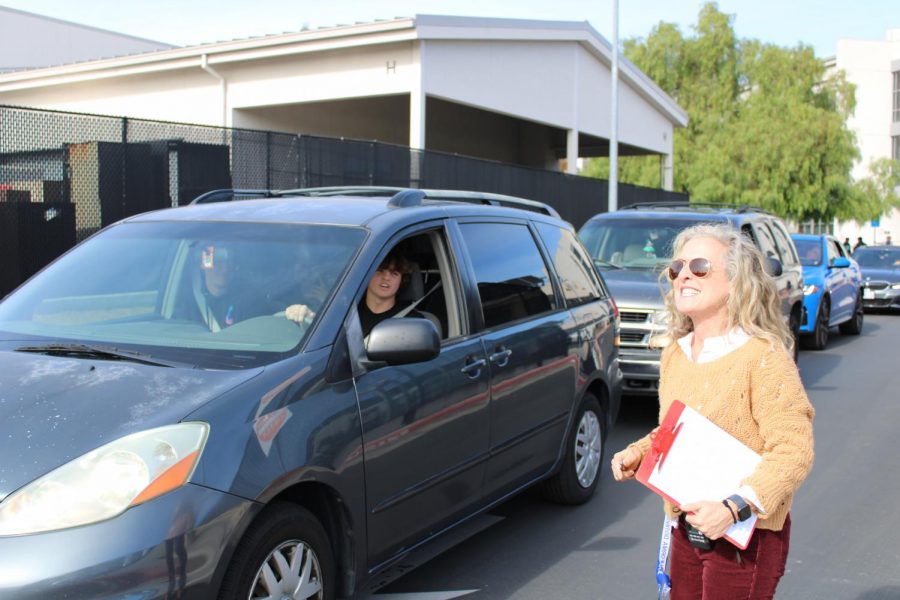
[
  {"x": 632, "y": 245},
  {"x": 831, "y": 294},
  {"x": 880, "y": 267},
  {"x": 148, "y": 453}
]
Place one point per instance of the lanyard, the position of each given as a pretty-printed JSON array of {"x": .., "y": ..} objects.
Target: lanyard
[{"x": 663, "y": 584}]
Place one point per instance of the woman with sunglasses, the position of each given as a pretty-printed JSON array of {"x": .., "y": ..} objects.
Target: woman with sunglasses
[{"x": 731, "y": 360}]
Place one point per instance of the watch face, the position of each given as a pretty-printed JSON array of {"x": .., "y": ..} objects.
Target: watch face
[{"x": 742, "y": 506}]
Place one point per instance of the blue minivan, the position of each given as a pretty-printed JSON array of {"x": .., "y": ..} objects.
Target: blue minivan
[
  {"x": 831, "y": 293},
  {"x": 163, "y": 439}
]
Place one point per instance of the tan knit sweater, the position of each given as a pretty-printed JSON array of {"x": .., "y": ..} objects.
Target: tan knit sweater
[{"x": 755, "y": 394}]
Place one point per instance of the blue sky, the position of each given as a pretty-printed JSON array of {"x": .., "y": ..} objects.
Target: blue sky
[{"x": 819, "y": 23}]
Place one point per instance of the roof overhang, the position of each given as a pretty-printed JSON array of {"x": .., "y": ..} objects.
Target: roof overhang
[{"x": 420, "y": 27}]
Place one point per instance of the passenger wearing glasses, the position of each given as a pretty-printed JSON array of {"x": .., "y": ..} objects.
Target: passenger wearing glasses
[{"x": 731, "y": 360}]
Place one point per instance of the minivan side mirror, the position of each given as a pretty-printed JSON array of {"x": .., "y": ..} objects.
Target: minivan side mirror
[
  {"x": 840, "y": 262},
  {"x": 403, "y": 341},
  {"x": 773, "y": 267}
]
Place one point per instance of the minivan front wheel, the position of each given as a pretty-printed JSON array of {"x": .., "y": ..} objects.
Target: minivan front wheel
[
  {"x": 285, "y": 554},
  {"x": 577, "y": 478}
]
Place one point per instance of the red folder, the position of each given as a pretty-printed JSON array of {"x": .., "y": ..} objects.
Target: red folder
[{"x": 692, "y": 459}]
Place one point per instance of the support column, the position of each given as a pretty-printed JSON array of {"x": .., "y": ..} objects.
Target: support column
[
  {"x": 417, "y": 116},
  {"x": 572, "y": 151},
  {"x": 417, "y": 99},
  {"x": 665, "y": 174}
]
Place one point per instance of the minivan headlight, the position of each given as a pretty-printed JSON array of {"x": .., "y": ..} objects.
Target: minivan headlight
[{"x": 107, "y": 481}]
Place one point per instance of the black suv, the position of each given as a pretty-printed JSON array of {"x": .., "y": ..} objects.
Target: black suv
[
  {"x": 631, "y": 246},
  {"x": 249, "y": 455}
]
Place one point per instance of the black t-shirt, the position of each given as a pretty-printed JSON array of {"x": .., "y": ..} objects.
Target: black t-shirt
[{"x": 368, "y": 319}]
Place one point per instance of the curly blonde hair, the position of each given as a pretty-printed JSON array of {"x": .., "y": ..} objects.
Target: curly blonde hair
[{"x": 753, "y": 303}]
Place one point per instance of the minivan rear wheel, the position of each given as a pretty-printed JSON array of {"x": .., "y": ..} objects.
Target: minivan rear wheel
[
  {"x": 285, "y": 554},
  {"x": 577, "y": 478}
]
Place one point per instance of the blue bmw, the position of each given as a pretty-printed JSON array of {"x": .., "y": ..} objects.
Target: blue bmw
[{"x": 831, "y": 292}]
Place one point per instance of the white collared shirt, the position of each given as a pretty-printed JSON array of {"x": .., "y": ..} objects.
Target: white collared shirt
[{"x": 714, "y": 348}]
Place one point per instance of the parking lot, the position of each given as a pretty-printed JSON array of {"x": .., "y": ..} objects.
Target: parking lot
[{"x": 845, "y": 517}]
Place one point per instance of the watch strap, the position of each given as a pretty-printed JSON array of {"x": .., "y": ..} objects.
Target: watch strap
[{"x": 743, "y": 508}]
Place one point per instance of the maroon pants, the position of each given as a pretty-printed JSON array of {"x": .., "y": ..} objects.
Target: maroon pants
[{"x": 718, "y": 574}]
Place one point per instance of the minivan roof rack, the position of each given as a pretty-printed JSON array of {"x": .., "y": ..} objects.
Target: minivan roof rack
[
  {"x": 399, "y": 196},
  {"x": 229, "y": 194},
  {"x": 444, "y": 195},
  {"x": 687, "y": 205}
]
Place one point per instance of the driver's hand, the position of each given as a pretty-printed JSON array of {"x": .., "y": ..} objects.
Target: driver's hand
[{"x": 299, "y": 313}]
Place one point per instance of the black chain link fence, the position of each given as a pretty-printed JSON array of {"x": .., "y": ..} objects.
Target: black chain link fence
[{"x": 63, "y": 176}]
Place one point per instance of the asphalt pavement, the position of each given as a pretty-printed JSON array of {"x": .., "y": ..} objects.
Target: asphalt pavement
[{"x": 845, "y": 541}]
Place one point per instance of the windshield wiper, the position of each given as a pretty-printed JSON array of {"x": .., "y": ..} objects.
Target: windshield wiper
[
  {"x": 99, "y": 352},
  {"x": 605, "y": 263}
]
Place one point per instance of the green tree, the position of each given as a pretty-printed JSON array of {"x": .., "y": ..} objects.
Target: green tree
[{"x": 768, "y": 126}]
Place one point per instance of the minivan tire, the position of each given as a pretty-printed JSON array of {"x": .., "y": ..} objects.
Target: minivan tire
[
  {"x": 579, "y": 473},
  {"x": 271, "y": 545}
]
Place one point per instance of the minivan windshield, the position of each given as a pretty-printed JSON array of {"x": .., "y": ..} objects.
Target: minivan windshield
[
  {"x": 632, "y": 243},
  {"x": 206, "y": 294}
]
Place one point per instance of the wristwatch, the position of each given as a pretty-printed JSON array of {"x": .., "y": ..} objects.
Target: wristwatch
[{"x": 743, "y": 509}]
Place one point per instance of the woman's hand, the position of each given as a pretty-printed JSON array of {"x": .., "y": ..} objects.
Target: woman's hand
[
  {"x": 299, "y": 313},
  {"x": 712, "y": 518},
  {"x": 625, "y": 463}
]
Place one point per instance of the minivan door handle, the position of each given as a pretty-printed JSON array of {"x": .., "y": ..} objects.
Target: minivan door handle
[
  {"x": 473, "y": 368},
  {"x": 501, "y": 356}
]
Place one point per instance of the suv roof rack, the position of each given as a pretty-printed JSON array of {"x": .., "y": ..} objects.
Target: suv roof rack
[
  {"x": 679, "y": 204},
  {"x": 399, "y": 196}
]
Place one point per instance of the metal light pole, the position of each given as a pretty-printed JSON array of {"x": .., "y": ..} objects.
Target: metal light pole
[{"x": 614, "y": 116}]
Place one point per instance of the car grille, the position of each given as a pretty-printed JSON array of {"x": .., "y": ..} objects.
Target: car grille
[
  {"x": 631, "y": 337},
  {"x": 876, "y": 285},
  {"x": 629, "y": 316}
]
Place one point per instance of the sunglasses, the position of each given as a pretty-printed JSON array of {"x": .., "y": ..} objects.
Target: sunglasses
[{"x": 699, "y": 267}]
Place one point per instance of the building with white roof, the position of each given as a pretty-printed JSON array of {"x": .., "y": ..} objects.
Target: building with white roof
[
  {"x": 519, "y": 91},
  {"x": 32, "y": 41}
]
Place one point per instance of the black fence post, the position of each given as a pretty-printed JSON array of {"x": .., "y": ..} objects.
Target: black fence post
[{"x": 124, "y": 202}]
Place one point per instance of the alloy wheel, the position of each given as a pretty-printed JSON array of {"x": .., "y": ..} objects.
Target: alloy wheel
[
  {"x": 290, "y": 572},
  {"x": 588, "y": 445}
]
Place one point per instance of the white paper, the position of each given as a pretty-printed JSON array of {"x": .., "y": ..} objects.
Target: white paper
[{"x": 705, "y": 463}]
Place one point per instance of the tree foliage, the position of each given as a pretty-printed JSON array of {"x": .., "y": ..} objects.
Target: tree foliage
[{"x": 768, "y": 125}]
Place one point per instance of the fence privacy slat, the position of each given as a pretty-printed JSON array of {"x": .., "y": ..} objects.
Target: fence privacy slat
[{"x": 89, "y": 171}]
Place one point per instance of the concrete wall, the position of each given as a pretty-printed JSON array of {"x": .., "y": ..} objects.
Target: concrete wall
[{"x": 868, "y": 65}]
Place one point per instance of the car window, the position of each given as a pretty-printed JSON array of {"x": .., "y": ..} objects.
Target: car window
[
  {"x": 579, "y": 280},
  {"x": 513, "y": 282},
  {"x": 810, "y": 252},
  {"x": 766, "y": 241},
  {"x": 632, "y": 243},
  {"x": 880, "y": 258},
  {"x": 431, "y": 283},
  {"x": 783, "y": 242},
  {"x": 207, "y": 293},
  {"x": 838, "y": 248},
  {"x": 833, "y": 251}
]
